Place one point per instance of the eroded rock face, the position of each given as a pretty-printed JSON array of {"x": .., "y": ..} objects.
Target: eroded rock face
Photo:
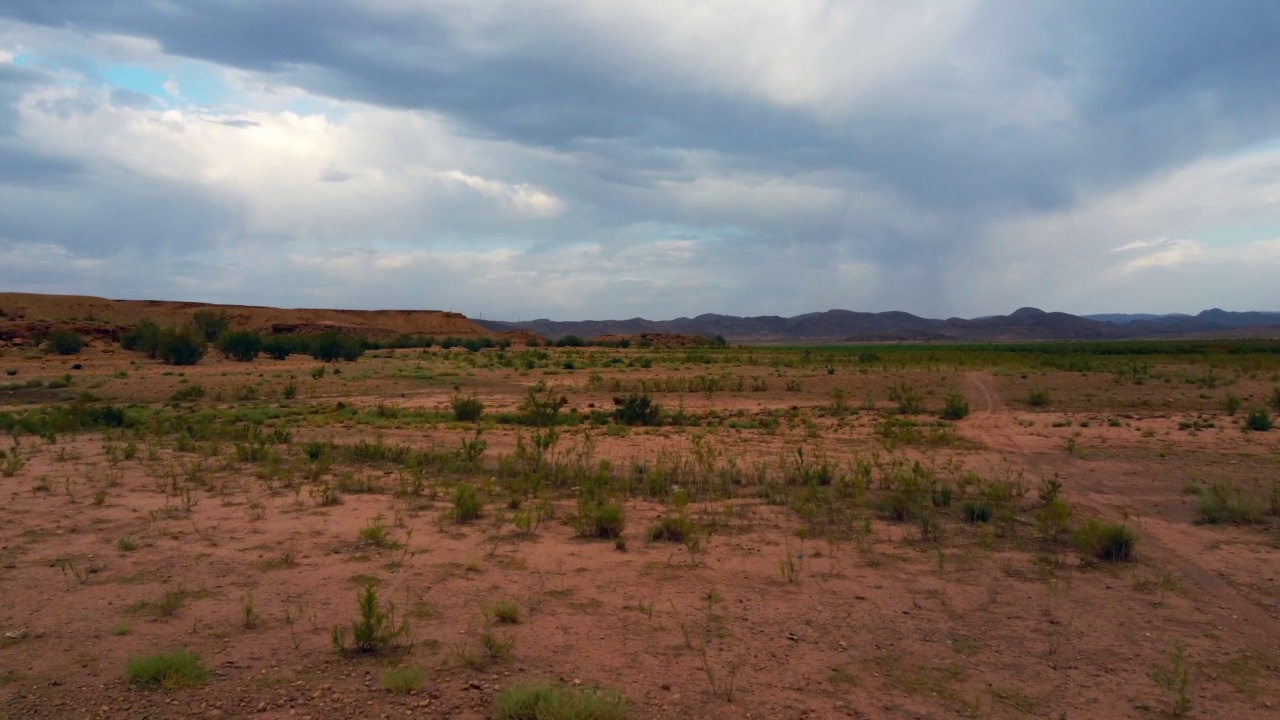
[{"x": 22, "y": 332}]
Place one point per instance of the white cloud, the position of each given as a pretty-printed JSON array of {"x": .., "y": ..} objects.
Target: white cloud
[{"x": 400, "y": 168}]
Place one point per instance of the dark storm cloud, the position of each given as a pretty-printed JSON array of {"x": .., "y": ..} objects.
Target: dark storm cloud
[
  {"x": 1025, "y": 109},
  {"x": 1152, "y": 83}
]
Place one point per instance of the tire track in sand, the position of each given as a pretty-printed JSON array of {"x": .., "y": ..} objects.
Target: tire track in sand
[{"x": 992, "y": 425}]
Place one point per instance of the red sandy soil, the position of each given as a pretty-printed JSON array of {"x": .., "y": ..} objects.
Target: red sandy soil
[{"x": 883, "y": 627}]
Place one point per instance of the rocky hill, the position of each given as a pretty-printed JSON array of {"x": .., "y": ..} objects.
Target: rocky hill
[
  {"x": 22, "y": 313},
  {"x": 848, "y": 326}
]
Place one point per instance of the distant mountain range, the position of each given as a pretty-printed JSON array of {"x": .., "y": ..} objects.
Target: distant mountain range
[{"x": 848, "y": 326}]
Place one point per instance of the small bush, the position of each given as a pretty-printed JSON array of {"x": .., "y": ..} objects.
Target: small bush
[
  {"x": 375, "y": 630},
  {"x": 466, "y": 409},
  {"x": 467, "y": 503},
  {"x": 65, "y": 341},
  {"x": 955, "y": 407},
  {"x": 506, "y": 611},
  {"x": 181, "y": 345},
  {"x": 605, "y": 521},
  {"x": 210, "y": 324},
  {"x": 1223, "y": 503},
  {"x": 332, "y": 346},
  {"x": 279, "y": 347},
  {"x": 1259, "y": 420},
  {"x": 1231, "y": 404},
  {"x": 571, "y": 341},
  {"x": 1038, "y": 398},
  {"x": 144, "y": 338},
  {"x": 242, "y": 345},
  {"x": 636, "y": 409},
  {"x": 1110, "y": 542},
  {"x": 188, "y": 393},
  {"x": 909, "y": 400},
  {"x": 550, "y": 702},
  {"x": 673, "y": 528},
  {"x": 374, "y": 532},
  {"x": 404, "y": 680},
  {"x": 170, "y": 671},
  {"x": 541, "y": 406}
]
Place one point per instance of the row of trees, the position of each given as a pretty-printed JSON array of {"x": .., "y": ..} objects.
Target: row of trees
[{"x": 187, "y": 344}]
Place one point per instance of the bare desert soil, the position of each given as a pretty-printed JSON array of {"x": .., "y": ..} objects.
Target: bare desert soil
[{"x": 201, "y": 525}]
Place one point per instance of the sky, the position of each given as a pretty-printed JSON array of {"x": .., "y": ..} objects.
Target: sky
[{"x": 596, "y": 159}]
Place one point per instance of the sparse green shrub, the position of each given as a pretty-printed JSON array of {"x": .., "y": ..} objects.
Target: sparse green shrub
[
  {"x": 1109, "y": 542},
  {"x": 127, "y": 544},
  {"x": 571, "y": 341},
  {"x": 187, "y": 393},
  {"x": 909, "y": 400},
  {"x": 65, "y": 341},
  {"x": 551, "y": 702},
  {"x": 977, "y": 511},
  {"x": 211, "y": 324},
  {"x": 1259, "y": 420},
  {"x": 376, "y": 629},
  {"x": 497, "y": 648},
  {"x": 672, "y": 528},
  {"x": 242, "y": 345},
  {"x": 637, "y": 409},
  {"x": 1052, "y": 519},
  {"x": 541, "y": 406},
  {"x": 1231, "y": 404},
  {"x": 1224, "y": 503},
  {"x": 602, "y": 520},
  {"x": 332, "y": 346},
  {"x": 374, "y": 532},
  {"x": 143, "y": 337},
  {"x": 181, "y": 345},
  {"x": 171, "y": 671},
  {"x": 279, "y": 347},
  {"x": 403, "y": 680},
  {"x": 466, "y": 409},
  {"x": 506, "y": 611},
  {"x": 1175, "y": 678},
  {"x": 839, "y": 398},
  {"x": 168, "y": 670},
  {"x": 955, "y": 407},
  {"x": 467, "y": 503},
  {"x": 1038, "y": 398}
]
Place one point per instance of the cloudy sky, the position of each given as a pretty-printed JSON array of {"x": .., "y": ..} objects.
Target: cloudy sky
[{"x": 574, "y": 159}]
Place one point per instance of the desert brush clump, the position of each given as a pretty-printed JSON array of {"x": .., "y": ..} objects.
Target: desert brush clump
[
  {"x": 468, "y": 505},
  {"x": 170, "y": 671},
  {"x": 1259, "y": 420},
  {"x": 65, "y": 341},
  {"x": 403, "y": 679},
  {"x": 637, "y": 409},
  {"x": 466, "y": 408},
  {"x": 955, "y": 407},
  {"x": 183, "y": 345},
  {"x": 376, "y": 630},
  {"x": 1228, "y": 504},
  {"x": 542, "y": 701},
  {"x": 1109, "y": 542}
]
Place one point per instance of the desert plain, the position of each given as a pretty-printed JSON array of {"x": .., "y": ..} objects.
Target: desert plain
[{"x": 1054, "y": 530}]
